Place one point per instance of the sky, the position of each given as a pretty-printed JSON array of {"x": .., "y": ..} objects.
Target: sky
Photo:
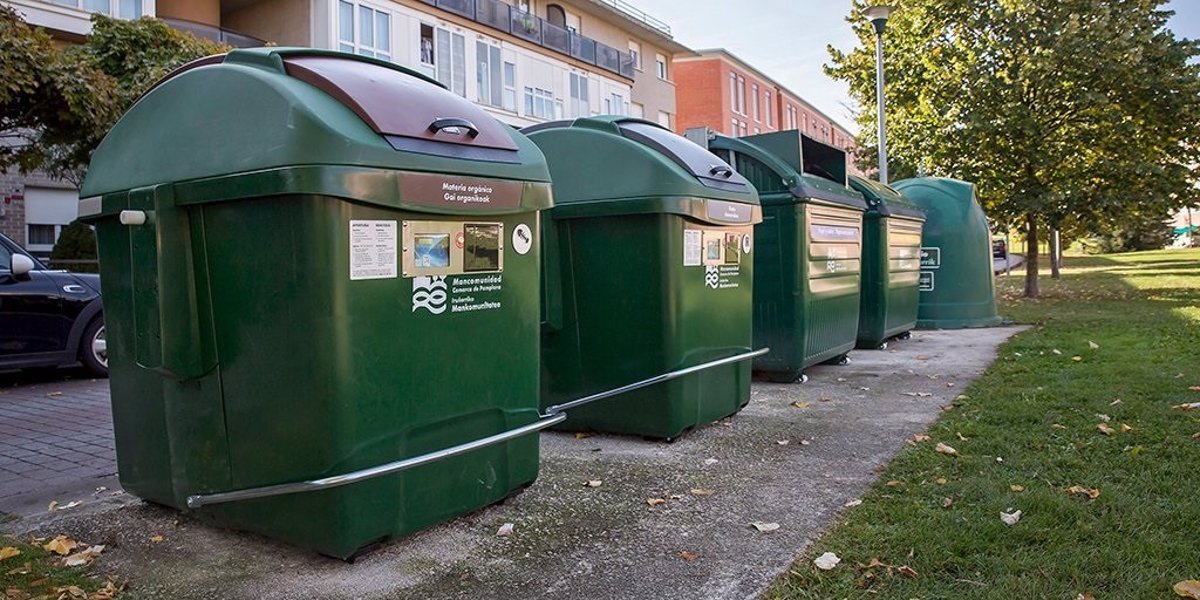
[{"x": 786, "y": 39}]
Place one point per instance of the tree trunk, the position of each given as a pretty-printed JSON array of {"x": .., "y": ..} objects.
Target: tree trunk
[
  {"x": 1055, "y": 254},
  {"x": 1031, "y": 256}
]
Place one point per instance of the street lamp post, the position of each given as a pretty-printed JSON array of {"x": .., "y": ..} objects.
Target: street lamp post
[{"x": 878, "y": 15}]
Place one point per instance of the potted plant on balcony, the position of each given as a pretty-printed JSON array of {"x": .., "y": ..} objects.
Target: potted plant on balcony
[{"x": 528, "y": 23}]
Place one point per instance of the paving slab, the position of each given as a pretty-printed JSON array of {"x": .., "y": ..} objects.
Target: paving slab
[{"x": 602, "y": 542}]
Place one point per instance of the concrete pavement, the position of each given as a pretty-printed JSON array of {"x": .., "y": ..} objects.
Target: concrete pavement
[{"x": 606, "y": 542}]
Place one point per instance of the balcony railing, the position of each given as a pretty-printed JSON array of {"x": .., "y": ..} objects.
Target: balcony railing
[
  {"x": 221, "y": 35},
  {"x": 530, "y": 27},
  {"x": 638, "y": 15}
]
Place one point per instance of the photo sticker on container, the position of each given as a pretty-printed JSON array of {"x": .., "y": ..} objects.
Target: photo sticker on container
[
  {"x": 482, "y": 252},
  {"x": 431, "y": 250},
  {"x": 733, "y": 248}
]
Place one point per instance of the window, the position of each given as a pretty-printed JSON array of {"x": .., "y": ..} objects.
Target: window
[
  {"x": 735, "y": 128},
  {"x": 742, "y": 131},
  {"x": 790, "y": 120},
  {"x": 370, "y": 34},
  {"x": 754, "y": 99},
  {"x": 741, "y": 91},
  {"x": 660, "y": 65},
  {"x": 580, "y": 103},
  {"x": 41, "y": 235},
  {"x": 539, "y": 103},
  {"x": 733, "y": 92},
  {"x": 427, "y": 46},
  {"x": 450, "y": 60},
  {"x": 664, "y": 119},
  {"x": 125, "y": 9},
  {"x": 510, "y": 86},
  {"x": 635, "y": 51},
  {"x": 556, "y": 15},
  {"x": 489, "y": 74},
  {"x": 5, "y": 258},
  {"x": 523, "y": 5},
  {"x": 615, "y": 104},
  {"x": 638, "y": 110},
  {"x": 770, "y": 109}
]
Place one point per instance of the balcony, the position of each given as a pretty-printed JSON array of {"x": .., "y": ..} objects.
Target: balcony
[
  {"x": 220, "y": 35},
  {"x": 532, "y": 28}
]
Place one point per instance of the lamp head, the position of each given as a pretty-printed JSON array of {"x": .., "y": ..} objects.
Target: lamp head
[{"x": 878, "y": 15}]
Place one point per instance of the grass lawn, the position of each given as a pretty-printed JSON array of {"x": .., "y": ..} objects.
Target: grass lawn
[
  {"x": 28, "y": 571},
  {"x": 1026, "y": 432}
]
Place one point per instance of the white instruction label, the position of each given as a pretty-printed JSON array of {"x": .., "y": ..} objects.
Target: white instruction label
[
  {"x": 693, "y": 243},
  {"x": 373, "y": 250}
]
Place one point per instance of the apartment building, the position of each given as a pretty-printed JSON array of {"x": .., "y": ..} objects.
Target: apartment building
[
  {"x": 721, "y": 91},
  {"x": 524, "y": 61}
]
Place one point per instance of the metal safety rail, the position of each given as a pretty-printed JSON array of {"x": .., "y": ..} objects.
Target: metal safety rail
[{"x": 554, "y": 415}]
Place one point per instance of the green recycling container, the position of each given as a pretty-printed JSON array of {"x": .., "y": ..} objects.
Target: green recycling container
[
  {"x": 648, "y": 273},
  {"x": 318, "y": 327},
  {"x": 956, "y": 280},
  {"x": 807, "y": 284},
  {"x": 891, "y": 264}
]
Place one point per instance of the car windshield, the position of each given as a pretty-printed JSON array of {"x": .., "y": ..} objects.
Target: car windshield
[{"x": 8, "y": 248}]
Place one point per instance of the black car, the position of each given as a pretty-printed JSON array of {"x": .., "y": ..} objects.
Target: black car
[
  {"x": 999, "y": 249},
  {"x": 48, "y": 318}
]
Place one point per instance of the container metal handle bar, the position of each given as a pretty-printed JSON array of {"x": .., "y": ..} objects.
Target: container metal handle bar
[
  {"x": 197, "y": 501},
  {"x": 560, "y": 408},
  {"x": 554, "y": 415}
]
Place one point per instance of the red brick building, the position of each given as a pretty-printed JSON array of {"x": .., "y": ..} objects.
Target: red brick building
[{"x": 715, "y": 88}]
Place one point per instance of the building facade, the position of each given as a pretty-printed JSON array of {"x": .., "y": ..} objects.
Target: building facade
[
  {"x": 721, "y": 91},
  {"x": 524, "y": 61}
]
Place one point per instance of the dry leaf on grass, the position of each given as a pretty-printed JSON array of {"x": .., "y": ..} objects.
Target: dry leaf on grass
[
  {"x": 907, "y": 571},
  {"x": 1196, "y": 436},
  {"x": 1188, "y": 406},
  {"x": 961, "y": 438},
  {"x": 689, "y": 556},
  {"x": 827, "y": 561},
  {"x": 764, "y": 527},
  {"x": 8, "y": 552},
  {"x": 1085, "y": 597},
  {"x": 940, "y": 481},
  {"x": 1017, "y": 488},
  {"x": 1125, "y": 428},
  {"x": 920, "y": 437},
  {"x": 852, "y": 503},
  {"x": 1093, "y": 345},
  {"x": 1115, "y": 402},
  {"x": 1195, "y": 388},
  {"x": 656, "y": 501},
  {"x": 60, "y": 545},
  {"x": 1057, "y": 352},
  {"x": 1011, "y": 518},
  {"x": 84, "y": 557},
  {"x": 1104, "y": 417},
  {"x": 1189, "y": 588},
  {"x": 1105, "y": 429},
  {"x": 1058, "y": 426},
  {"x": 894, "y": 483},
  {"x": 948, "y": 502},
  {"x": 1079, "y": 490},
  {"x": 1077, "y": 358},
  {"x": 505, "y": 530},
  {"x": 947, "y": 450}
]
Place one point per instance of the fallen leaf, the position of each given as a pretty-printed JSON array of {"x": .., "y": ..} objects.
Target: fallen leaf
[
  {"x": 960, "y": 436},
  {"x": 84, "y": 557},
  {"x": 948, "y": 502},
  {"x": 1077, "y": 358},
  {"x": 1084, "y": 491},
  {"x": 852, "y": 503},
  {"x": 1188, "y": 406},
  {"x": 8, "y": 552},
  {"x": 827, "y": 561},
  {"x": 1105, "y": 429},
  {"x": 61, "y": 545},
  {"x": 656, "y": 501},
  {"x": 70, "y": 592},
  {"x": 864, "y": 389},
  {"x": 594, "y": 483},
  {"x": 1195, "y": 388},
  {"x": 711, "y": 461},
  {"x": 579, "y": 435},
  {"x": 689, "y": 556},
  {"x": 1104, "y": 417},
  {"x": 804, "y": 442},
  {"x": 841, "y": 379},
  {"x": 1017, "y": 488},
  {"x": 52, "y": 506},
  {"x": 700, "y": 492},
  {"x": 907, "y": 571},
  {"x": 764, "y": 527},
  {"x": 1196, "y": 436},
  {"x": 1085, "y": 597},
  {"x": 1058, "y": 426},
  {"x": 947, "y": 450},
  {"x": 1189, "y": 588},
  {"x": 1093, "y": 345},
  {"x": 1056, "y": 351},
  {"x": 894, "y": 483},
  {"x": 1115, "y": 402},
  {"x": 1125, "y": 428},
  {"x": 677, "y": 496},
  {"x": 783, "y": 442},
  {"x": 801, "y": 405},
  {"x": 505, "y": 530},
  {"x": 1011, "y": 518},
  {"x": 157, "y": 538},
  {"x": 940, "y": 481}
]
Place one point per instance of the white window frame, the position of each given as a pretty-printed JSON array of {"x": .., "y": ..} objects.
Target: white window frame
[
  {"x": 357, "y": 45},
  {"x": 754, "y": 98},
  {"x": 635, "y": 50},
  {"x": 537, "y": 98},
  {"x": 660, "y": 66},
  {"x": 113, "y": 10},
  {"x": 580, "y": 103},
  {"x": 770, "y": 109}
]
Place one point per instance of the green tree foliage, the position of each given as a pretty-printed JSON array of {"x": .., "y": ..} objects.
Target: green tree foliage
[
  {"x": 76, "y": 242},
  {"x": 1072, "y": 114},
  {"x": 57, "y": 104}
]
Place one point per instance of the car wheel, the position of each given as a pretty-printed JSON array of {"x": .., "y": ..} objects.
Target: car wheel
[{"x": 93, "y": 348}]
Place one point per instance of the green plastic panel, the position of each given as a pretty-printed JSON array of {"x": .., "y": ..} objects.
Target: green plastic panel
[{"x": 957, "y": 285}]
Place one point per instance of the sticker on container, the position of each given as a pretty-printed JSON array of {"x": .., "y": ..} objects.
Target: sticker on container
[
  {"x": 522, "y": 239},
  {"x": 429, "y": 293},
  {"x": 373, "y": 250},
  {"x": 747, "y": 244},
  {"x": 925, "y": 283},
  {"x": 733, "y": 245},
  {"x": 712, "y": 277},
  {"x": 693, "y": 242},
  {"x": 931, "y": 257}
]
